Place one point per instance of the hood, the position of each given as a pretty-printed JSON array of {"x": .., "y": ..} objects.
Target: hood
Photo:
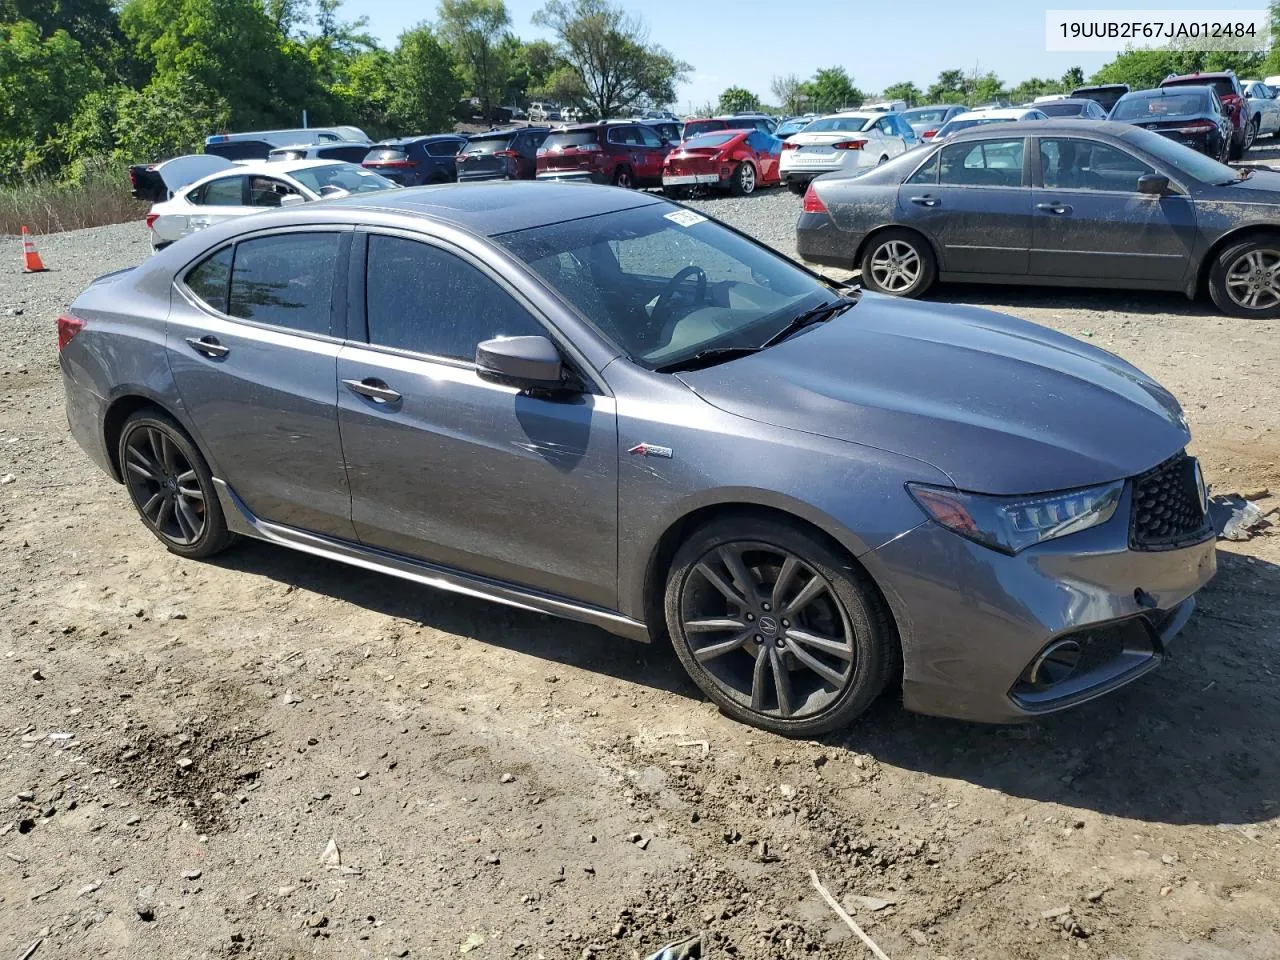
[
  {"x": 1262, "y": 187},
  {"x": 1000, "y": 405}
]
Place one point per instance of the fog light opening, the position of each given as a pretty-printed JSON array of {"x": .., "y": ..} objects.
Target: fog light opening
[{"x": 1055, "y": 664}]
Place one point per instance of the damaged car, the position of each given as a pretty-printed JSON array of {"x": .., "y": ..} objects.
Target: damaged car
[
  {"x": 597, "y": 404},
  {"x": 1063, "y": 203}
]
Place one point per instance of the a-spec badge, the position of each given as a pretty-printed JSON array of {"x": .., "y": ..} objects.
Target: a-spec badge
[{"x": 651, "y": 450}]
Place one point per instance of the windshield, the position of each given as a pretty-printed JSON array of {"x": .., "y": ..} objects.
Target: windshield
[
  {"x": 1181, "y": 158},
  {"x": 664, "y": 283},
  {"x": 1155, "y": 106},
  {"x": 925, "y": 115},
  {"x": 954, "y": 126},
  {"x": 710, "y": 139},
  {"x": 482, "y": 145},
  {"x": 841, "y": 124},
  {"x": 334, "y": 179},
  {"x": 790, "y": 127},
  {"x": 1061, "y": 108}
]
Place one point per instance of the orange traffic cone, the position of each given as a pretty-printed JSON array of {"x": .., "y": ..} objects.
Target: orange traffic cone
[{"x": 31, "y": 262}]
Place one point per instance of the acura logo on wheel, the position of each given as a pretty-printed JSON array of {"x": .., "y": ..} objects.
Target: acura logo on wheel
[{"x": 768, "y": 626}]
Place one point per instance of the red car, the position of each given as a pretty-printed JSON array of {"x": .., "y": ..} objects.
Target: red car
[
  {"x": 624, "y": 153},
  {"x": 736, "y": 161},
  {"x": 1229, "y": 91}
]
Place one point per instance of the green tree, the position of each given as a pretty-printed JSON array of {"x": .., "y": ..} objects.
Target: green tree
[
  {"x": 363, "y": 92},
  {"x": 950, "y": 87},
  {"x": 735, "y": 99},
  {"x": 42, "y": 81},
  {"x": 985, "y": 87},
  {"x": 786, "y": 90},
  {"x": 1146, "y": 68},
  {"x": 473, "y": 30},
  {"x": 609, "y": 51},
  {"x": 906, "y": 90},
  {"x": 424, "y": 89},
  {"x": 1029, "y": 89},
  {"x": 1074, "y": 77},
  {"x": 831, "y": 89}
]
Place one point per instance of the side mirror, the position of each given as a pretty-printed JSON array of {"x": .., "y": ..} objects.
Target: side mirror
[
  {"x": 292, "y": 199},
  {"x": 1154, "y": 184},
  {"x": 525, "y": 362}
]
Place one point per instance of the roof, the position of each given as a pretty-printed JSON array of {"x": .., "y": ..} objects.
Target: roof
[
  {"x": 1178, "y": 90},
  {"x": 1210, "y": 74},
  {"x": 865, "y": 114},
  {"x": 497, "y": 207},
  {"x": 934, "y": 106},
  {"x": 997, "y": 113},
  {"x": 1046, "y": 128}
]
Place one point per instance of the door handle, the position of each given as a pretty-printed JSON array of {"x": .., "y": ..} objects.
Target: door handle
[
  {"x": 208, "y": 345},
  {"x": 373, "y": 388},
  {"x": 1054, "y": 207},
  {"x": 926, "y": 201}
]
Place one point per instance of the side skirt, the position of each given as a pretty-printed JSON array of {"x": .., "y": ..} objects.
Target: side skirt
[{"x": 242, "y": 521}]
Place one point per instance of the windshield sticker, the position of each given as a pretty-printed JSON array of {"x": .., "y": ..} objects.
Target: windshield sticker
[{"x": 685, "y": 218}]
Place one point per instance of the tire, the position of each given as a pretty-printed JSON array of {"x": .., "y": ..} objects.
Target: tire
[
  {"x": 743, "y": 181},
  {"x": 622, "y": 178},
  {"x": 1234, "y": 271},
  {"x": 1236, "y": 151},
  {"x": 898, "y": 262},
  {"x": 159, "y": 460},
  {"x": 796, "y": 187},
  {"x": 844, "y": 611},
  {"x": 673, "y": 193},
  {"x": 1251, "y": 134}
]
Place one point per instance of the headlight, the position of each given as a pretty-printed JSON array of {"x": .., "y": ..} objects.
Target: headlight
[{"x": 1010, "y": 524}]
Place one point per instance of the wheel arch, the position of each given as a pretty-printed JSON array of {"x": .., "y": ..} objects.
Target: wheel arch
[
  {"x": 875, "y": 232},
  {"x": 679, "y": 529},
  {"x": 1234, "y": 236},
  {"x": 125, "y": 405}
]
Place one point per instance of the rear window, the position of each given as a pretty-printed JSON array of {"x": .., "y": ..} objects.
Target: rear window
[
  {"x": 340, "y": 179},
  {"x": 385, "y": 153},
  {"x": 483, "y": 145},
  {"x": 1222, "y": 86},
  {"x": 443, "y": 148},
  {"x": 288, "y": 155},
  {"x": 952, "y": 126},
  {"x": 710, "y": 139},
  {"x": 571, "y": 138},
  {"x": 701, "y": 126},
  {"x": 841, "y": 124},
  {"x": 925, "y": 116},
  {"x": 1137, "y": 108},
  {"x": 742, "y": 123},
  {"x": 1061, "y": 109}
]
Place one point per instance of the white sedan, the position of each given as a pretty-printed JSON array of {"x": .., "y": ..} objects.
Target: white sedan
[
  {"x": 848, "y": 142},
  {"x": 246, "y": 188},
  {"x": 977, "y": 118},
  {"x": 1264, "y": 108}
]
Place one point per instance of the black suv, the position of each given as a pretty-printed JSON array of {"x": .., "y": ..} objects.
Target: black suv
[
  {"x": 502, "y": 154},
  {"x": 414, "y": 161}
]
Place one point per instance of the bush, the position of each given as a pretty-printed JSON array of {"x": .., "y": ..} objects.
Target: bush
[{"x": 98, "y": 194}]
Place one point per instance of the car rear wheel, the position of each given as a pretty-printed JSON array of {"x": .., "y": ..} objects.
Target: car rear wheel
[
  {"x": 673, "y": 193},
  {"x": 1244, "y": 280},
  {"x": 622, "y": 178},
  {"x": 744, "y": 180},
  {"x": 1237, "y": 148},
  {"x": 776, "y": 627},
  {"x": 171, "y": 486},
  {"x": 900, "y": 263}
]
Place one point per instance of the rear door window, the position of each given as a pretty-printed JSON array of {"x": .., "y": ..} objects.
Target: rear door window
[
  {"x": 988, "y": 163},
  {"x": 426, "y": 300},
  {"x": 444, "y": 148},
  {"x": 268, "y": 191},
  {"x": 286, "y": 280},
  {"x": 223, "y": 192},
  {"x": 1068, "y": 164},
  {"x": 648, "y": 137},
  {"x": 208, "y": 279}
]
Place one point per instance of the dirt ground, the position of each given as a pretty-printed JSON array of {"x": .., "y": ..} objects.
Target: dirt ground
[{"x": 181, "y": 741}]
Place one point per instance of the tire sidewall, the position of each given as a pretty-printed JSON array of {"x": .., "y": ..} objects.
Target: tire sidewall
[
  {"x": 874, "y": 662},
  {"x": 928, "y": 265},
  {"x": 1218, "y": 277},
  {"x": 739, "y": 187},
  {"x": 215, "y": 536},
  {"x": 622, "y": 178}
]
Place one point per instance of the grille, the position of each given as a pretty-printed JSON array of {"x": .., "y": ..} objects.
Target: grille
[{"x": 1166, "y": 506}]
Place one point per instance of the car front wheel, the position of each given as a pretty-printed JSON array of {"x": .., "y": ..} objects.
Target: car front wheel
[
  {"x": 776, "y": 627},
  {"x": 1244, "y": 280},
  {"x": 171, "y": 486},
  {"x": 899, "y": 263}
]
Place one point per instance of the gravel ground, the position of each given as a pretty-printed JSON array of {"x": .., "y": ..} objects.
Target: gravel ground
[{"x": 181, "y": 741}]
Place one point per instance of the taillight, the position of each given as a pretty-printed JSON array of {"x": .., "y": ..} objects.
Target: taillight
[
  {"x": 151, "y": 220},
  {"x": 788, "y": 145},
  {"x": 812, "y": 202},
  {"x": 849, "y": 145},
  {"x": 68, "y": 327},
  {"x": 1197, "y": 126},
  {"x": 927, "y": 134},
  {"x": 508, "y": 154}
]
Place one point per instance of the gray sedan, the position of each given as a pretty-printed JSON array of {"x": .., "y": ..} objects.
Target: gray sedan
[
  {"x": 594, "y": 403},
  {"x": 1069, "y": 203}
]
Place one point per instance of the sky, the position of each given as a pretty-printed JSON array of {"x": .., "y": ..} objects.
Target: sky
[{"x": 747, "y": 42}]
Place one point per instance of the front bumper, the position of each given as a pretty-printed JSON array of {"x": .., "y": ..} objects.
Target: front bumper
[{"x": 974, "y": 621}]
